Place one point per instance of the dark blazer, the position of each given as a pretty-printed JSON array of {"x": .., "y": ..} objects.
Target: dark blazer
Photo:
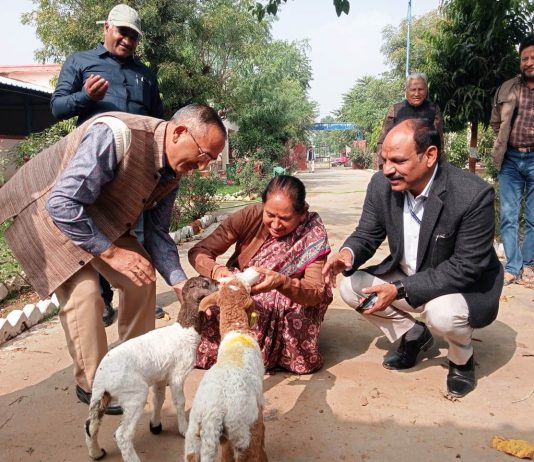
[{"x": 455, "y": 253}]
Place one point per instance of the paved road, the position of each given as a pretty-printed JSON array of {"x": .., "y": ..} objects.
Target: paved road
[{"x": 352, "y": 410}]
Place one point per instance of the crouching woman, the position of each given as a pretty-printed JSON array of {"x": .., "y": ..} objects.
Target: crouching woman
[{"x": 289, "y": 246}]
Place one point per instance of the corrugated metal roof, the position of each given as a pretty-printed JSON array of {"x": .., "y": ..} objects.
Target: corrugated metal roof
[{"x": 24, "y": 85}]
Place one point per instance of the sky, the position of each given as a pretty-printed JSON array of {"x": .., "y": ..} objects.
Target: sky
[{"x": 342, "y": 49}]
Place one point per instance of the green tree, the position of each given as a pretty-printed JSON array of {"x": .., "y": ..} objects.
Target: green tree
[
  {"x": 472, "y": 53},
  {"x": 271, "y": 105},
  {"x": 394, "y": 44},
  {"x": 271, "y": 7},
  {"x": 367, "y": 103},
  {"x": 193, "y": 46}
]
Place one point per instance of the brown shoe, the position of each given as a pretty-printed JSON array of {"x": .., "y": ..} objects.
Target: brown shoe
[
  {"x": 528, "y": 275},
  {"x": 509, "y": 278}
]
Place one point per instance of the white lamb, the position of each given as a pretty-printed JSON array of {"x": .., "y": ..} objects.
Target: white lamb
[
  {"x": 228, "y": 405},
  {"x": 157, "y": 358}
]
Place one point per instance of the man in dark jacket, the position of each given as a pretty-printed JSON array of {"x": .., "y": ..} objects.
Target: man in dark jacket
[
  {"x": 415, "y": 106},
  {"x": 439, "y": 222}
]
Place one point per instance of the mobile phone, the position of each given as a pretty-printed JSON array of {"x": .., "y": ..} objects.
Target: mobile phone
[{"x": 367, "y": 303}]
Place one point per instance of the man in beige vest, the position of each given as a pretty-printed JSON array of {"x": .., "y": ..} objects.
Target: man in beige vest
[{"x": 74, "y": 208}]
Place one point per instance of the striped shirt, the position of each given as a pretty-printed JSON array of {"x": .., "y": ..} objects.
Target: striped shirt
[{"x": 522, "y": 134}]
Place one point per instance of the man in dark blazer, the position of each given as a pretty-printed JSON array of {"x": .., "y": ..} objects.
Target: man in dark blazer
[{"x": 439, "y": 222}]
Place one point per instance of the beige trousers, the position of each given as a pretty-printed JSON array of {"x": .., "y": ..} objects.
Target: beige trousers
[
  {"x": 447, "y": 315},
  {"x": 82, "y": 306}
]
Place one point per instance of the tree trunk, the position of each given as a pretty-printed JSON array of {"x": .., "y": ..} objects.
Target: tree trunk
[{"x": 473, "y": 152}]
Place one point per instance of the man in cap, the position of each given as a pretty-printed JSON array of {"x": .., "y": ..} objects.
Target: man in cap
[{"x": 109, "y": 78}]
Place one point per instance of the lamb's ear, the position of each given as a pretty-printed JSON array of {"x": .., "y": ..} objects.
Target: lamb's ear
[{"x": 208, "y": 301}]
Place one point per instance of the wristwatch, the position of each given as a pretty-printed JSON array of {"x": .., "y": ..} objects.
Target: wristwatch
[{"x": 401, "y": 291}]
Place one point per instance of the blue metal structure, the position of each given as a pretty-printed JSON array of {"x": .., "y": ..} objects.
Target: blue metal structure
[
  {"x": 338, "y": 126},
  {"x": 409, "y": 21}
]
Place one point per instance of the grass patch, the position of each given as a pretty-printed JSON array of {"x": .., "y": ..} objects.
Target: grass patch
[
  {"x": 51, "y": 315},
  {"x": 228, "y": 189}
]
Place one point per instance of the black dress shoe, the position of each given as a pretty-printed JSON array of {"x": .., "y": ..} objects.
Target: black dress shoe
[
  {"x": 461, "y": 379},
  {"x": 85, "y": 397},
  {"x": 159, "y": 312},
  {"x": 406, "y": 355},
  {"x": 109, "y": 316}
]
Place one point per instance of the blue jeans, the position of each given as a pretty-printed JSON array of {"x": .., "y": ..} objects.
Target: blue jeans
[{"x": 515, "y": 179}]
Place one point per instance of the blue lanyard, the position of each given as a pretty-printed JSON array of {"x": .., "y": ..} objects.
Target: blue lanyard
[{"x": 412, "y": 211}]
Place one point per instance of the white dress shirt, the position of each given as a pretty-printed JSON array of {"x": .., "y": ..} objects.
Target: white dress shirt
[{"x": 414, "y": 209}]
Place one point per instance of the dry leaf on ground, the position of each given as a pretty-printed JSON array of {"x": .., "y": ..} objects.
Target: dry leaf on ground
[{"x": 518, "y": 448}]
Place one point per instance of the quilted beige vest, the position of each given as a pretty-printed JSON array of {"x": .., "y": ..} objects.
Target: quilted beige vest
[{"x": 48, "y": 256}]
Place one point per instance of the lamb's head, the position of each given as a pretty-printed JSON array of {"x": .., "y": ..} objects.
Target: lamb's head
[
  {"x": 194, "y": 291},
  {"x": 235, "y": 304}
]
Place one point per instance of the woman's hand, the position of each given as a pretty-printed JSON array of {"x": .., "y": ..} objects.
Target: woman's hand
[
  {"x": 221, "y": 271},
  {"x": 271, "y": 280}
]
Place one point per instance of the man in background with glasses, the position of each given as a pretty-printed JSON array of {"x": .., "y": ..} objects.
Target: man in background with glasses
[{"x": 109, "y": 78}]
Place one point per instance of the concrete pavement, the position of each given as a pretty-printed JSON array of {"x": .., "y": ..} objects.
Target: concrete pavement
[{"x": 352, "y": 410}]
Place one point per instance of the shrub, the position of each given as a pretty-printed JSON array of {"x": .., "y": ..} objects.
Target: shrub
[
  {"x": 485, "y": 146},
  {"x": 37, "y": 142},
  {"x": 196, "y": 198},
  {"x": 456, "y": 150},
  {"x": 253, "y": 176},
  {"x": 8, "y": 265},
  {"x": 362, "y": 157}
]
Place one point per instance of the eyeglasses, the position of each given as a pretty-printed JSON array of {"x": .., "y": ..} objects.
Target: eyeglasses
[{"x": 201, "y": 153}]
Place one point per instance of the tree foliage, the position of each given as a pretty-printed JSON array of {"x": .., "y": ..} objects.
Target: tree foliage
[
  {"x": 394, "y": 43},
  {"x": 367, "y": 102},
  {"x": 270, "y": 7},
  {"x": 271, "y": 105},
  {"x": 209, "y": 51},
  {"x": 472, "y": 53}
]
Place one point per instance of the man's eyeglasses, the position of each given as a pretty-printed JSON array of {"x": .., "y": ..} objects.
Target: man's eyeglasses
[{"x": 201, "y": 153}]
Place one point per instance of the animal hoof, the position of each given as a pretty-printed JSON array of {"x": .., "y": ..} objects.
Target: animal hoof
[
  {"x": 101, "y": 456},
  {"x": 156, "y": 429}
]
